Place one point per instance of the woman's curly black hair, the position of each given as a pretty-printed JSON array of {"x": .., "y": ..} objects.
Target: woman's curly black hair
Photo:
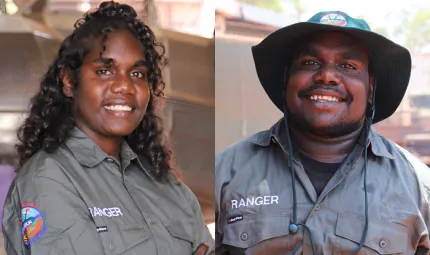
[{"x": 50, "y": 119}]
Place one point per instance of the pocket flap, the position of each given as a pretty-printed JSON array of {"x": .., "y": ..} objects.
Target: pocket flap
[
  {"x": 382, "y": 236},
  {"x": 254, "y": 228},
  {"x": 182, "y": 229},
  {"x": 125, "y": 238}
]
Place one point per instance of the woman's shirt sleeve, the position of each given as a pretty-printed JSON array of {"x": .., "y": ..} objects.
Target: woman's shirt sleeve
[
  {"x": 45, "y": 215},
  {"x": 202, "y": 235}
]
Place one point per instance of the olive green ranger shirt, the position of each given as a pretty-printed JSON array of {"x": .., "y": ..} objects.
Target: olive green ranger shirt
[
  {"x": 79, "y": 200},
  {"x": 254, "y": 201}
]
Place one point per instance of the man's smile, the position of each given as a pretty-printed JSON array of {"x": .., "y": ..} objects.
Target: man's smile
[{"x": 321, "y": 98}]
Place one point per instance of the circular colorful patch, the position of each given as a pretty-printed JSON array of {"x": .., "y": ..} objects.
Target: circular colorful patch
[
  {"x": 33, "y": 225},
  {"x": 334, "y": 19}
]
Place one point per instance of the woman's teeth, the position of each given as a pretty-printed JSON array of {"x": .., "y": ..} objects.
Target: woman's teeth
[{"x": 122, "y": 108}]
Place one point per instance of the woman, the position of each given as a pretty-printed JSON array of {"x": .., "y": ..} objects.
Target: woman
[{"x": 96, "y": 175}]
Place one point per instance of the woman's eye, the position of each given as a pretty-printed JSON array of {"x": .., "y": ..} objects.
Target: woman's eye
[
  {"x": 103, "y": 72},
  {"x": 137, "y": 74}
]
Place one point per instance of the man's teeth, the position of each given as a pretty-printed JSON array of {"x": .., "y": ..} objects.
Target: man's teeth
[
  {"x": 324, "y": 98},
  {"x": 123, "y": 108}
]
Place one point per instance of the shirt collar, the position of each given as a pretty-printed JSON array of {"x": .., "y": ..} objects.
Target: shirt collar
[
  {"x": 86, "y": 152},
  {"x": 378, "y": 146},
  {"x": 89, "y": 154},
  {"x": 277, "y": 131}
]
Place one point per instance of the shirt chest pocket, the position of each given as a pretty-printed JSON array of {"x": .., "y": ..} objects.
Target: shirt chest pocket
[
  {"x": 383, "y": 237},
  {"x": 182, "y": 234},
  {"x": 249, "y": 230},
  {"x": 128, "y": 239}
]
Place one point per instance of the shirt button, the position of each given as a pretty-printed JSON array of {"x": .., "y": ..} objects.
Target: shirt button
[
  {"x": 317, "y": 207},
  {"x": 383, "y": 243},
  {"x": 111, "y": 246},
  {"x": 244, "y": 236},
  {"x": 109, "y": 160}
]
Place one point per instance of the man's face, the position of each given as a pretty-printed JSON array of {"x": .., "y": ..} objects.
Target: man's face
[{"x": 328, "y": 85}]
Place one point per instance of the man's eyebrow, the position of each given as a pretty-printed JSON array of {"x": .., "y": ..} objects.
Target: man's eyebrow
[
  {"x": 345, "y": 54},
  {"x": 352, "y": 54},
  {"x": 307, "y": 51},
  {"x": 142, "y": 63}
]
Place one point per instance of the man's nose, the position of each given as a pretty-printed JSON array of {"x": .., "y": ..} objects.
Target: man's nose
[{"x": 329, "y": 75}]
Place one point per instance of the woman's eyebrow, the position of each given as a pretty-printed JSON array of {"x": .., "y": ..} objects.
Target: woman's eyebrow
[
  {"x": 106, "y": 61},
  {"x": 142, "y": 63}
]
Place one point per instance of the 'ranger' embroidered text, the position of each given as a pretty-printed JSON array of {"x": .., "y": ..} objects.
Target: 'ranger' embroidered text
[{"x": 265, "y": 200}]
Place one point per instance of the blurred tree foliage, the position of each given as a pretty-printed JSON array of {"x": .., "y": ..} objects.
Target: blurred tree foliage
[
  {"x": 417, "y": 30},
  {"x": 299, "y": 8},
  {"x": 380, "y": 30}
]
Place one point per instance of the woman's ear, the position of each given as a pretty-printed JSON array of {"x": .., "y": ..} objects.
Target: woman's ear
[{"x": 67, "y": 84}]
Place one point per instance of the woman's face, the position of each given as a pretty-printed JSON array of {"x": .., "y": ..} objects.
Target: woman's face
[{"x": 113, "y": 91}]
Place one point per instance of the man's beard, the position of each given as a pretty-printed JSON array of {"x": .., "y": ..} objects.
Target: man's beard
[{"x": 331, "y": 131}]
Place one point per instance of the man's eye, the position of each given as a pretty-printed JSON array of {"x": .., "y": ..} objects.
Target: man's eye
[
  {"x": 348, "y": 66},
  {"x": 310, "y": 62}
]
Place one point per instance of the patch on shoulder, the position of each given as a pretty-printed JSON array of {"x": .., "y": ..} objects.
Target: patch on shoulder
[{"x": 32, "y": 224}]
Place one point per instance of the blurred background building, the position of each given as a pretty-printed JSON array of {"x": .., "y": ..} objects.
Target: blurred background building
[
  {"x": 30, "y": 34},
  {"x": 242, "y": 107}
]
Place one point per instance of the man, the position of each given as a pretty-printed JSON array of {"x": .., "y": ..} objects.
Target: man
[{"x": 320, "y": 181}]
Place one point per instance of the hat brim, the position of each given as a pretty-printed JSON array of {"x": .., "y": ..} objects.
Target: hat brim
[{"x": 391, "y": 63}]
